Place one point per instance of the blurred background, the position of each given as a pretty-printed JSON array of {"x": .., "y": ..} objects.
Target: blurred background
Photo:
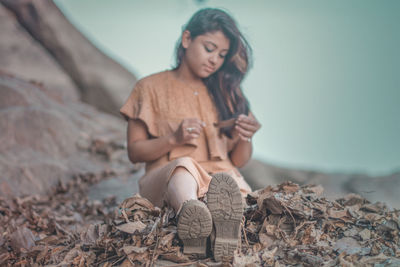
[
  {"x": 325, "y": 82},
  {"x": 325, "y": 85}
]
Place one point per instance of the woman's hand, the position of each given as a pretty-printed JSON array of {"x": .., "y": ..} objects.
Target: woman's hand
[
  {"x": 246, "y": 127},
  {"x": 189, "y": 129}
]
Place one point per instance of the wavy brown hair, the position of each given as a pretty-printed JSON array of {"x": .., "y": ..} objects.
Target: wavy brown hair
[{"x": 223, "y": 85}]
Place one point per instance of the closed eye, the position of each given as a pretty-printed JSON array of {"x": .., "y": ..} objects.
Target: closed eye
[{"x": 208, "y": 49}]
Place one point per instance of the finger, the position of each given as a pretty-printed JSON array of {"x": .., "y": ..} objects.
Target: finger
[
  {"x": 192, "y": 136},
  {"x": 244, "y": 132},
  {"x": 242, "y": 116},
  {"x": 188, "y": 124},
  {"x": 247, "y": 126},
  {"x": 194, "y": 130},
  {"x": 246, "y": 119},
  {"x": 191, "y": 131}
]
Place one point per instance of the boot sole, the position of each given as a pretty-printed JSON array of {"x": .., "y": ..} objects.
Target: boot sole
[
  {"x": 194, "y": 227},
  {"x": 224, "y": 201}
]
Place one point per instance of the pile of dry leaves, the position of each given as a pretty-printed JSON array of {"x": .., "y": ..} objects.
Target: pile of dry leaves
[
  {"x": 284, "y": 225},
  {"x": 39, "y": 230},
  {"x": 289, "y": 225}
]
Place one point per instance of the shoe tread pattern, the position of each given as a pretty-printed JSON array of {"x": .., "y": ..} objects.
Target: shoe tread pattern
[
  {"x": 194, "y": 221},
  {"x": 224, "y": 201}
]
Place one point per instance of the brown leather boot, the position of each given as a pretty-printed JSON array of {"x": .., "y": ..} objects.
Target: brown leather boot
[
  {"x": 194, "y": 227},
  {"x": 224, "y": 201}
]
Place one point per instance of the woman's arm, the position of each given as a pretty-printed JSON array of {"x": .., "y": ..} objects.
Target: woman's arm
[
  {"x": 142, "y": 148},
  {"x": 245, "y": 128},
  {"x": 241, "y": 153}
]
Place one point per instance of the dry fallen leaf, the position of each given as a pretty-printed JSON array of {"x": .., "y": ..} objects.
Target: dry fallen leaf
[{"x": 131, "y": 227}]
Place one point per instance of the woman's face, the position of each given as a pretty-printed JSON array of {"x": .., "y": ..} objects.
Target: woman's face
[{"x": 206, "y": 53}]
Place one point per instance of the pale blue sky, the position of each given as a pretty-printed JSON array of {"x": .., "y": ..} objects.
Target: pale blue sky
[{"x": 325, "y": 83}]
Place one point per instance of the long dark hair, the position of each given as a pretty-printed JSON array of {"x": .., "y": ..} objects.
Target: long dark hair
[{"x": 223, "y": 85}]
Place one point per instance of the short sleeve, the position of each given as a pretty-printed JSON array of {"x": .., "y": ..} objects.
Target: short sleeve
[{"x": 141, "y": 105}]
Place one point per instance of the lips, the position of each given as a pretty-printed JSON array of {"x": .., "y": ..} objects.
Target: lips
[{"x": 209, "y": 69}]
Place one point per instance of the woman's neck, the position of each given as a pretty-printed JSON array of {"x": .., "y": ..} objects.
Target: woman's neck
[{"x": 184, "y": 74}]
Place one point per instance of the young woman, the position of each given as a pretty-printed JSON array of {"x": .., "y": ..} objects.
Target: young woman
[{"x": 192, "y": 127}]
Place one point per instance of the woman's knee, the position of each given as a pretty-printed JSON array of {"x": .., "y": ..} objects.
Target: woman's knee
[
  {"x": 181, "y": 177},
  {"x": 180, "y": 170}
]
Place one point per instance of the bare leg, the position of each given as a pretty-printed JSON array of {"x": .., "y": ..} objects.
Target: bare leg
[{"x": 181, "y": 187}]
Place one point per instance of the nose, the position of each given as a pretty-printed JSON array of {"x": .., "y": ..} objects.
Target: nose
[{"x": 213, "y": 59}]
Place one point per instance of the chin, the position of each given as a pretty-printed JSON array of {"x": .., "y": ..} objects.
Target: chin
[{"x": 205, "y": 74}]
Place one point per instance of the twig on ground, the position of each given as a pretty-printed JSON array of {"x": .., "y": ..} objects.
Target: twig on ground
[
  {"x": 244, "y": 232},
  {"x": 157, "y": 242},
  {"x": 183, "y": 264}
]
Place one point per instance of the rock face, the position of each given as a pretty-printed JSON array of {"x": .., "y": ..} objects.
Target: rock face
[
  {"x": 43, "y": 141},
  {"x": 102, "y": 82},
  {"x": 47, "y": 135},
  {"x": 23, "y": 56}
]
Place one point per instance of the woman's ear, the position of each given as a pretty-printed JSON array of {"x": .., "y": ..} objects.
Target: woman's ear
[{"x": 186, "y": 39}]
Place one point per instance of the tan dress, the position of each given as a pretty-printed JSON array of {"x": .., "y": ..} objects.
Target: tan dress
[{"x": 161, "y": 101}]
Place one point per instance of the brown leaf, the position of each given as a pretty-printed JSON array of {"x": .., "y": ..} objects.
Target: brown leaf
[
  {"x": 373, "y": 260},
  {"x": 176, "y": 256},
  {"x": 71, "y": 255},
  {"x": 289, "y": 187},
  {"x": 266, "y": 240},
  {"x": 166, "y": 241},
  {"x": 225, "y": 123},
  {"x": 338, "y": 214},
  {"x": 22, "y": 238},
  {"x": 133, "y": 249},
  {"x": 313, "y": 189},
  {"x": 126, "y": 263},
  {"x": 4, "y": 257},
  {"x": 353, "y": 199},
  {"x": 49, "y": 240},
  {"x": 268, "y": 256},
  {"x": 373, "y": 217},
  {"x": 131, "y": 227},
  {"x": 246, "y": 260},
  {"x": 139, "y": 201},
  {"x": 43, "y": 255},
  {"x": 372, "y": 208},
  {"x": 140, "y": 257},
  {"x": 90, "y": 234},
  {"x": 365, "y": 234},
  {"x": 272, "y": 204},
  {"x": 348, "y": 245}
]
